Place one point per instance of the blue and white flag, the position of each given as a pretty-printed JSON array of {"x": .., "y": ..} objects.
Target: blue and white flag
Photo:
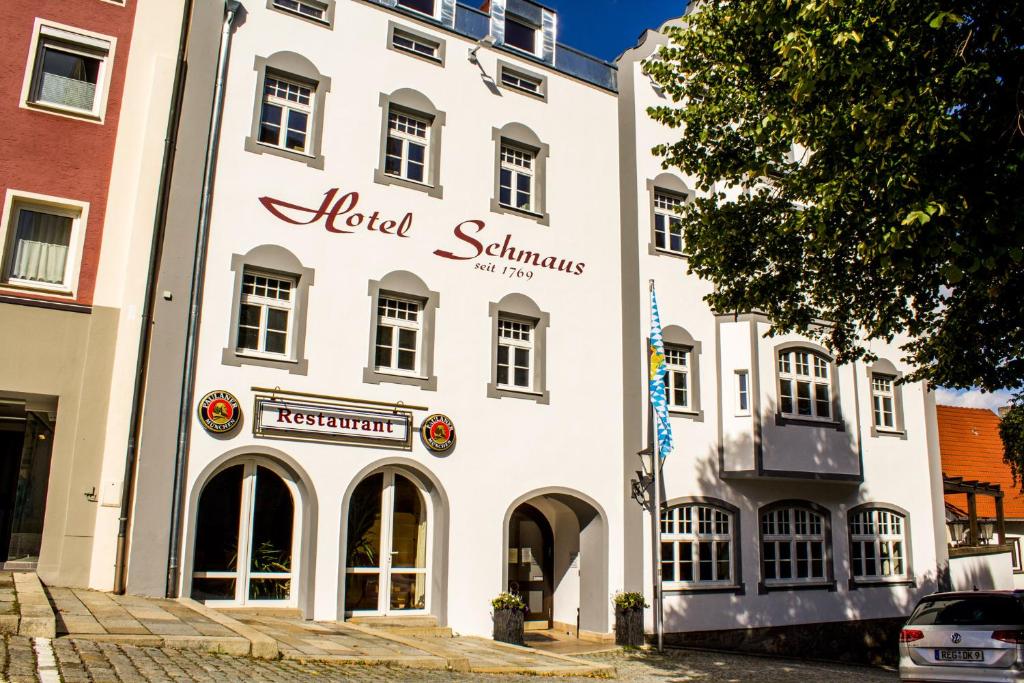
[{"x": 657, "y": 382}]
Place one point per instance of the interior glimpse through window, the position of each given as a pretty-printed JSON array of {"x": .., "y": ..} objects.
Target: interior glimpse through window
[
  {"x": 406, "y": 154},
  {"x": 520, "y": 35},
  {"x": 424, "y": 6},
  {"x": 284, "y": 118},
  {"x": 67, "y": 77},
  {"x": 39, "y": 250}
]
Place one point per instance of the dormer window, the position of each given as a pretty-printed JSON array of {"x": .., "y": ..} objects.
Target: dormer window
[
  {"x": 424, "y": 6},
  {"x": 520, "y": 35}
]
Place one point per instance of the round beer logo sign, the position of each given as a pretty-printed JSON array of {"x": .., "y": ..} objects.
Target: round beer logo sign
[
  {"x": 219, "y": 412},
  {"x": 438, "y": 432}
]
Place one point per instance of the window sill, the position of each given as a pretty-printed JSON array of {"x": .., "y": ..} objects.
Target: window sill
[
  {"x": 497, "y": 391},
  {"x": 696, "y": 589},
  {"x": 382, "y": 178},
  {"x": 498, "y": 207},
  {"x": 256, "y": 147},
  {"x": 804, "y": 421},
  {"x": 254, "y": 355},
  {"x": 695, "y": 415},
  {"x": 524, "y": 91},
  {"x": 233, "y": 357},
  {"x": 897, "y": 433},
  {"x": 39, "y": 288},
  {"x": 763, "y": 587},
  {"x": 70, "y": 112},
  {"x": 374, "y": 376},
  {"x": 661, "y": 251},
  {"x": 856, "y": 584}
]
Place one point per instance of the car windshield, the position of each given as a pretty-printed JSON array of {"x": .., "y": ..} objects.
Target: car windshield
[{"x": 989, "y": 610}]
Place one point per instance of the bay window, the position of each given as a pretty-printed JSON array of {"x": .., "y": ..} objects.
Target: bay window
[{"x": 805, "y": 384}]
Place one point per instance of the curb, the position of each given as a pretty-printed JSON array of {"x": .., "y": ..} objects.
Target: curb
[
  {"x": 261, "y": 645},
  {"x": 36, "y": 615}
]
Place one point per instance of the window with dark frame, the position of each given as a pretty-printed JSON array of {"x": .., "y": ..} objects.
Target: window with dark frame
[
  {"x": 696, "y": 546},
  {"x": 67, "y": 75},
  {"x": 520, "y": 35}
]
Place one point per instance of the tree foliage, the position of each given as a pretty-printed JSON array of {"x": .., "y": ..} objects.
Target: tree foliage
[
  {"x": 1011, "y": 430},
  {"x": 901, "y": 209}
]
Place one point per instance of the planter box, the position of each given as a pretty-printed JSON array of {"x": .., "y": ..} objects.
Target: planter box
[
  {"x": 629, "y": 627},
  {"x": 508, "y": 626}
]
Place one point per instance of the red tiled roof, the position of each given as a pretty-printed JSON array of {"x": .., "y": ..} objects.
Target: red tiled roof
[{"x": 971, "y": 448}]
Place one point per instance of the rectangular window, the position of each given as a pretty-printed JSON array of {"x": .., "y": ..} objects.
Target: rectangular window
[
  {"x": 883, "y": 398},
  {"x": 265, "y": 312},
  {"x": 792, "y": 546},
  {"x": 286, "y": 114},
  {"x": 668, "y": 228},
  {"x": 423, "y": 6},
  {"x": 805, "y": 388},
  {"x": 743, "y": 393},
  {"x": 515, "y": 186},
  {"x": 520, "y": 81},
  {"x": 306, "y": 8},
  {"x": 41, "y": 243},
  {"x": 520, "y": 35},
  {"x": 406, "y": 153},
  {"x": 515, "y": 348},
  {"x": 677, "y": 379},
  {"x": 417, "y": 45},
  {"x": 69, "y": 70},
  {"x": 696, "y": 546},
  {"x": 398, "y": 335},
  {"x": 877, "y": 545}
]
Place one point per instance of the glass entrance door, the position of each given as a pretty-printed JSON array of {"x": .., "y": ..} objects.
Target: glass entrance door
[
  {"x": 246, "y": 511},
  {"x": 387, "y": 547}
]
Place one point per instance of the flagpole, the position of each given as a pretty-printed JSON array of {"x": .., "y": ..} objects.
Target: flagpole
[{"x": 659, "y": 613}]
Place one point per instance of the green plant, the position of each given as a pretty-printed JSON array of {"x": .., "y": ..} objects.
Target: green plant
[
  {"x": 508, "y": 601},
  {"x": 629, "y": 600},
  {"x": 268, "y": 559}
]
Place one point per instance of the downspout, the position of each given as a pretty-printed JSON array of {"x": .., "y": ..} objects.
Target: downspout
[
  {"x": 146, "y": 332},
  {"x": 195, "y": 303}
]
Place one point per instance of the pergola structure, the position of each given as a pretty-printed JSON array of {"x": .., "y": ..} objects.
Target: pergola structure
[{"x": 972, "y": 488}]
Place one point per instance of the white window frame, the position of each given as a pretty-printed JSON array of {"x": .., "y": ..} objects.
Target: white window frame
[
  {"x": 287, "y": 106},
  {"x": 510, "y": 155},
  {"x": 742, "y": 378},
  {"x": 883, "y": 387},
  {"x": 415, "y": 40},
  {"x": 674, "y": 352},
  {"x": 516, "y": 326},
  {"x": 665, "y": 204},
  {"x": 14, "y": 202},
  {"x": 73, "y": 40},
  {"x": 264, "y": 304},
  {"x": 694, "y": 524},
  {"x": 396, "y": 324},
  {"x": 511, "y": 78},
  {"x": 406, "y": 137},
  {"x": 805, "y": 366},
  {"x": 883, "y": 533},
  {"x": 297, "y": 10},
  {"x": 788, "y": 519}
]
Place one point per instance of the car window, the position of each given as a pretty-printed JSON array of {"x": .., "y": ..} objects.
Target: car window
[{"x": 973, "y": 611}]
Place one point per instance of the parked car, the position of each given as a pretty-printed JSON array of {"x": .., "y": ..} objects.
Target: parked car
[{"x": 969, "y": 636}]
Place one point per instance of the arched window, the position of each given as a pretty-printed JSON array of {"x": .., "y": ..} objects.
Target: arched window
[
  {"x": 878, "y": 545},
  {"x": 697, "y": 546},
  {"x": 794, "y": 545},
  {"x": 806, "y": 379}
]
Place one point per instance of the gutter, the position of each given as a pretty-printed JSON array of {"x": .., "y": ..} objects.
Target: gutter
[
  {"x": 146, "y": 334},
  {"x": 195, "y": 303}
]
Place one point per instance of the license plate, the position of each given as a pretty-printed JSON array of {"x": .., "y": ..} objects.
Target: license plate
[{"x": 948, "y": 654}]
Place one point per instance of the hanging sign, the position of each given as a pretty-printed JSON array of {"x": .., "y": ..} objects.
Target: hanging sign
[
  {"x": 311, "y": 420},
  {"x": 438, "y": 433},
  {"x": 219, "y": 412}
]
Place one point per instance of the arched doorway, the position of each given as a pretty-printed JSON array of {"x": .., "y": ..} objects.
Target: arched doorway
[
  {"x": 557, "y": 560},
  {"x": 387, "y": 546},
  {"x": 247, "y": 526},
  {"x": 531, "y": 555}
]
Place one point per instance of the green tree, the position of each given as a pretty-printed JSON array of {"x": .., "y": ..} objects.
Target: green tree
[{"x": 899, "y": 207}]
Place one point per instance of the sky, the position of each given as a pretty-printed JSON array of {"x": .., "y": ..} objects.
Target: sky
[
  {"x": 972, "y": 398},
  {"x": 606, "y": 28}
]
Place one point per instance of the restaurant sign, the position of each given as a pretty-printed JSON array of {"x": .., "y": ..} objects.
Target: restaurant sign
[{"x": 314, "y": 421}]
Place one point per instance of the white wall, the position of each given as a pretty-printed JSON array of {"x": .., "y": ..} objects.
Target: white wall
[{"x": 982, "y": 572}]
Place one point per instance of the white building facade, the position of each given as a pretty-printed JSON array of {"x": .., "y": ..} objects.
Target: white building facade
[{"x": 424, "y": 296}]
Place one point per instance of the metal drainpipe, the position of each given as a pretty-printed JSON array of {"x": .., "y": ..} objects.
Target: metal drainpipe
[
  {"x": 195, "y": 303},
  {"x": 146, "y": 332}
]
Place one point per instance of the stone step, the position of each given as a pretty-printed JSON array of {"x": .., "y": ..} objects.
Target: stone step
[{"x": 418, "y": 626}]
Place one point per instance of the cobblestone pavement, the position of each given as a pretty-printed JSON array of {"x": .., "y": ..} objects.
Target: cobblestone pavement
[{"x": 83, "y": 661}]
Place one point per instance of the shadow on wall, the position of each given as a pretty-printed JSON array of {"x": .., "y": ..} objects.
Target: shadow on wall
[{"x": 851, "y": 623}]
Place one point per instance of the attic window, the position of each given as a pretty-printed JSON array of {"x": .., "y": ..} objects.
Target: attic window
[{"x": 520, "y": 35}]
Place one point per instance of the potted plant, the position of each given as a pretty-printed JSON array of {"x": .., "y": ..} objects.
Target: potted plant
[
  {"x": 509, "y": 613},
  {"x": 629, "y": 619}
]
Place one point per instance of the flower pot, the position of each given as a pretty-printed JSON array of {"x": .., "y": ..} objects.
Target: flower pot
[
  {"x": 629, "y": 627},
  {"x": 508, "y": 626}
]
